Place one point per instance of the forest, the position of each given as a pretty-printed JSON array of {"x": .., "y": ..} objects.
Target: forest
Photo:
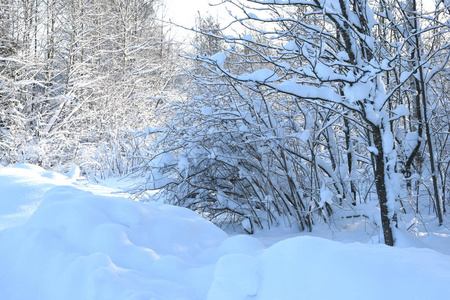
[{"x": 294, "y": 113}]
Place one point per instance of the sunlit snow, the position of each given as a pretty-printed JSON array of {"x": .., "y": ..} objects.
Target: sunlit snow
[{"x": 66, "y": 239}]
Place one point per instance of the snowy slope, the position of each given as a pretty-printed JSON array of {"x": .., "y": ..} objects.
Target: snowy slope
[{"x": 59, "y": 241}]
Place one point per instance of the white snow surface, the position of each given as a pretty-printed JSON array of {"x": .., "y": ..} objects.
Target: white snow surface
[{"x": 64, "y": 239}]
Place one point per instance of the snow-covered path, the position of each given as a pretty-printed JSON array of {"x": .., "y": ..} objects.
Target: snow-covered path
[{"x": 62, "y": 240}]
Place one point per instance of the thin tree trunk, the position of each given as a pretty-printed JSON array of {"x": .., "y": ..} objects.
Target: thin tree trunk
[{"x": 349, "y": 148}]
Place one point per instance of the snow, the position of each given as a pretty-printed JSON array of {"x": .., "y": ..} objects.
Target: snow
[
  {"x": 304, "y": 135},
  {"x": 326, "y": 196},
  {"x": 235, "y": 277},
  {"x": 405, "y": 75},
  {"x": 307, "y": 92},
  {"x": 262, "y": 75},
  {"x": 248, "y": 38},
  {"x": 74, "y": 173},
  {"x": 372, "y": 149},
  {"x": 22, "y": 193},
  {"x": 388, "y": 141},
  {"x": 410, "y": 142},
  {"x": 252, "y": 16},
  {"x": 219, "y": 59},
  {"x": 63, "y": 238},
  {"x": 357, "y": 92},
  {"x": 291, "y": 46},
  {"x": 322, "y": 269},
  {"x": 401, "y": 111}
]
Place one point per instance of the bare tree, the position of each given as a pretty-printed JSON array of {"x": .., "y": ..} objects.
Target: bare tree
[
  {"x": 292, "y": 109},
  {"x": 98, "y": 66}
]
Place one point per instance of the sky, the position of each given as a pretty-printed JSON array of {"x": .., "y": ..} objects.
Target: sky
[{"x": 183, "y": 12}]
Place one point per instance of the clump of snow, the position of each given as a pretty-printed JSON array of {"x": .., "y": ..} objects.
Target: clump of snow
[
  {"x": 410, "y": 142},
  {"x": 401, "y": 111},
  {"x": 357, "y": 92},
  {"x": 304, "y": 135},
  {"x": 326, "y": 196},
  {"x": 218, "y": 58},
  {"x": 74, "y": 173},
  {"x": 252, "y": 16},
  {"x": 248, "y": 38},
  {"x": 260, "y": 75},
  {"x": 343, "y": 56},
  {"x": 388, "y": 141},
  {"x": 405, "y": 75},
  {"x": 372, "y": 149},
  {"x": 291, "y": 46}
]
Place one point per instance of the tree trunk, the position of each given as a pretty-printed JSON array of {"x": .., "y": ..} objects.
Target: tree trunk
[{"x": 382, "y": 189}]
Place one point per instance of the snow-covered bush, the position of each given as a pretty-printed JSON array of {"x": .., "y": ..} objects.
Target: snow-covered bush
[{"x": 240, "y": 157}]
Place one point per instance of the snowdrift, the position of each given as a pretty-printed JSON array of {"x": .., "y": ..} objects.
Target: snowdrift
[{"x": 79, "y": 245}]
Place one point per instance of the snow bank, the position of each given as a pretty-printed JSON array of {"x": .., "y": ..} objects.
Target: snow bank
[
  {"x": 21, "y": 190},
  {"x": 315, "y": 268},
  {"x": 82, "y": 246},
  {"x": 79, "y": 245}
]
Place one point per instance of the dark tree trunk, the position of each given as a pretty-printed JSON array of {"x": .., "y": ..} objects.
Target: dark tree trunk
[
  {"x": 349, "y": 148},
  {"x": 380, "y": 183}
]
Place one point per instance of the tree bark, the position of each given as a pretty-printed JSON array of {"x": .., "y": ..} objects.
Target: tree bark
[{"x": 382, "y": 189}]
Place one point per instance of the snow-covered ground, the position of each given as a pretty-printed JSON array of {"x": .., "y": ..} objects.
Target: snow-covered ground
[{"x": 61, "y": 239}]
